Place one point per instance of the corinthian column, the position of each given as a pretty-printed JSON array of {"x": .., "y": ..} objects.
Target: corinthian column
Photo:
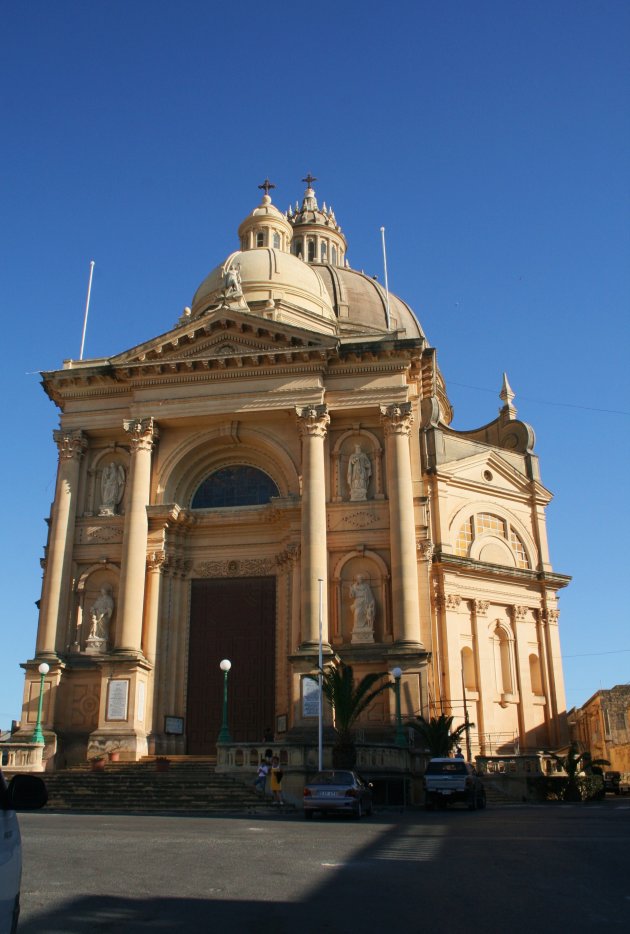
[
  {"x": 313, "y": 424},
  {"x": 143, "y": 434},
  {"x": 54, "y": 609},
  {"x": 397, "y": 421}
]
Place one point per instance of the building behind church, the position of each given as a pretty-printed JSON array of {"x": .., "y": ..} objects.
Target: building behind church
[{"x": 282, "y": 461}]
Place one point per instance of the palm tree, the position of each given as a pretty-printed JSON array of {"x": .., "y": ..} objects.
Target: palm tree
[
  {"x": 574, "y": 763},
  {"x": 348, "y": 701},
  {"x": 438, "y": 736}
]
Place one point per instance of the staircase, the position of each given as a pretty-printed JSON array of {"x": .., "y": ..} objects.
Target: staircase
[
  {"x": 495, "y": 796},
  {"x": 189, "y": 785}
]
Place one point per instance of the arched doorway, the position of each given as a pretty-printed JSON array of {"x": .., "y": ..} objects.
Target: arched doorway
[{"x": 231, "y": 618}]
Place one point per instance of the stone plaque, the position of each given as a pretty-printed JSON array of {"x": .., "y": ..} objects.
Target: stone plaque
[
  {"x": 117, "y": 699},
  {"x": 310, "y": 697}
]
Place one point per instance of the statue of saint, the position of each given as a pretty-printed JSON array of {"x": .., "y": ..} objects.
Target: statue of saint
[
  {"x": 363, "y": 610},
  {"x": 112, "y": 488},
  {"x": 359, "y": 473},
  {"x": 101, "y": 614},
  {"x": 232, "y": 283}
]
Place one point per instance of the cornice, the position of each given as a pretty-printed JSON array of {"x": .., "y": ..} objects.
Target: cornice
[{"x": 551, "y": 578}]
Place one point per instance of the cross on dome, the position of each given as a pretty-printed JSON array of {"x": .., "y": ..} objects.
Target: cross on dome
[
  {"x": 266, "y": 186},
  {"x": 309, "y": 179}
]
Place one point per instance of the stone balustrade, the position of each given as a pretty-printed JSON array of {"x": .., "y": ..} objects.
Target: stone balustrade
[{"x": 22, "y": 757}]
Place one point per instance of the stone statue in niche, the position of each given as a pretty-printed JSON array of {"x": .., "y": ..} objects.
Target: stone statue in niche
[
  {"x": 112, "y": 489},
  {"x": 359, "y": 473},
  {"x": 363, "y": 609},
  {"x": 100, "y": 617}
]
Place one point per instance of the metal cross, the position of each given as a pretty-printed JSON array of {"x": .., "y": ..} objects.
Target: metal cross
[
  {"x": 266, "y": 185},
  {"x": 309, "y": 179}
]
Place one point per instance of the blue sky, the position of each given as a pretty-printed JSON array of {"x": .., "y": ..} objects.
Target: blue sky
[{"x": 489, "y": 138}]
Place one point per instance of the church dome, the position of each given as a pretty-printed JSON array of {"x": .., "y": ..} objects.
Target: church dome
[
  {"x": 273, "y": 283},
  {"x": 360, "y": 303}
]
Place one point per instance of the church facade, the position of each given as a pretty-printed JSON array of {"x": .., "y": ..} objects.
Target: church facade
[{"x": 277, "y": 469}]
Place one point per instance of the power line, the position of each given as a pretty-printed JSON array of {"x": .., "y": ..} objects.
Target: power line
[
  {"x": 589, "y": 654},
  {"x": 566, "y": 405}
]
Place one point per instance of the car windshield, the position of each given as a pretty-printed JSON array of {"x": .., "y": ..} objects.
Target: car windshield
[
  {"x": 451, "y": 767},
  {"x": 332, "y": 778}
]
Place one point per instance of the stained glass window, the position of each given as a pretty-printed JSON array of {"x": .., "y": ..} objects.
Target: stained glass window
[{"x": 234, "y": 486}]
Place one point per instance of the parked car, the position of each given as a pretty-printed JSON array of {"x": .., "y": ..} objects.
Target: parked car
[
  {"x": 450, "y": 780},
  {"x": 23, "y": 792},
  {"x": 338, "y": 791},
  {"x": 612, "y": 782}
]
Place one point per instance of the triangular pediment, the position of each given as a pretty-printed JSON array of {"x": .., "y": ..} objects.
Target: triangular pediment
[
  {"x": 228, "y": 335},
  {"x": 492, "y": 471}
]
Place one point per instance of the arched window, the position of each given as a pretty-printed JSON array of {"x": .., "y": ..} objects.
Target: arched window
[
  {"x": 333, "y": 255},
  {"x": 322, "y": 251},
  {"x": 298, "y": 249},
  {"x": 276, "y": 241},
  {"x": 468, "y": 669},
  {"x": 234, "y": 486},
  {"x": 311, "y": 251},
  {"x": 503, "y": 661},
  {"x": 535, "y": 675},
  {"x": 260, "y": 238}
]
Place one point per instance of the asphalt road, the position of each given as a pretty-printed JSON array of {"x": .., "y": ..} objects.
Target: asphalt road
[{"x": 516, "y": 869}]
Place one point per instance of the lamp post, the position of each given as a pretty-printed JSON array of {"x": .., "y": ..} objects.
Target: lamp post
[
  {"x": 224, "y": 733},
  {"x": 400, "y": 739},
  {"x": 38, "y": 736}
]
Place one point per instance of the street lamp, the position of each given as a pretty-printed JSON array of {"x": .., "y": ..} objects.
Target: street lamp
[
  {"x": 400, "y": 739},
  {"x": 224, "y": 734},
  {"x": 38, "y": 736}
]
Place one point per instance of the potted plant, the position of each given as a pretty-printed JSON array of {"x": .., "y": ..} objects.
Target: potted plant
[
  {"x": 162, "y": 764},
  {"x": 113, "y": 752},
  {"x": 97, "y": 762}
]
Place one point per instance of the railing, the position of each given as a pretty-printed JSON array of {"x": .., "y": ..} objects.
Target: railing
[
  {"x": 22, "y": 757},
  {"x": 372, "y": 758}
]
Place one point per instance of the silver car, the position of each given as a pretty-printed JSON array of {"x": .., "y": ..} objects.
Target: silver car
[{"x": 340, "y": 791}]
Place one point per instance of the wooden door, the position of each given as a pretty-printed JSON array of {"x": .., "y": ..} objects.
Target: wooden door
[{"x": 231, "y": 618}]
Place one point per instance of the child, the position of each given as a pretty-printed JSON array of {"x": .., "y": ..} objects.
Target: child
[{"x": 261, "y": 777}]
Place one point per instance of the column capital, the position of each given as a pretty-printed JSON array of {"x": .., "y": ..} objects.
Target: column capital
[
  {"x": 480, "y": 607},
  {"x": 143, "y": 433},
  {"x": 397, "y": 418},
  {"x": 156, "y": 560},
  {"x": 313, "y": 420},
  {"x": 71, "y": 444}
]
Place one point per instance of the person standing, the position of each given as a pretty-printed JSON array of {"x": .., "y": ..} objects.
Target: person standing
[
  {"x": 260, "y": 781},
  {"x": 276, "y": 780}
]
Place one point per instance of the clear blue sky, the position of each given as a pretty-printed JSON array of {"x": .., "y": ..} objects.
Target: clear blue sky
[{"x": 491, "y": 140}]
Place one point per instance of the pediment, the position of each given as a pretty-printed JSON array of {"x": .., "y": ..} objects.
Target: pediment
[
  {"x": 493, "y": 471},
  {"x": 228, "y": 336}
]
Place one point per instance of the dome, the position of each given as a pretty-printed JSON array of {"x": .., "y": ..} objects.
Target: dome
[
  {"x": 273, "y": 282},
  {"x": 360, "y": 303}
]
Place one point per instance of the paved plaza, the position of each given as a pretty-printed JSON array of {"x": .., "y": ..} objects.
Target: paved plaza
[{"x": 517, "y": 869}]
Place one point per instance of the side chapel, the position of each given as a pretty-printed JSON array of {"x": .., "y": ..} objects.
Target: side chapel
[{"x": 282, "y": 460}]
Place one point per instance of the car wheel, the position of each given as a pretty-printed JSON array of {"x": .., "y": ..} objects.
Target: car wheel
[
  {"x": 368, "y": 811},
  {"x": 359, "y": 811},
  {"x": 472, "y": 803},
  {"x": 308, "y": 815}
]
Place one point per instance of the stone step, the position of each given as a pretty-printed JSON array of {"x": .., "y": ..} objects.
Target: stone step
[{"x": 189, "y": 784}]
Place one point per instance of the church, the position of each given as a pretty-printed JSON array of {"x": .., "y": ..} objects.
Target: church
[{"x": 276, "y": 471}]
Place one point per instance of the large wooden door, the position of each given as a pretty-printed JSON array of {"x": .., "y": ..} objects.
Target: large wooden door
[{"x": 231, "y": 618}]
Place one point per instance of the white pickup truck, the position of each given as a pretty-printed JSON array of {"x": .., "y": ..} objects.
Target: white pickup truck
[{"x": 450, "y": 780}]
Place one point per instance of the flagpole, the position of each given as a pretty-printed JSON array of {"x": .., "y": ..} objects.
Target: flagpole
[
  {"x": 320, "y": 730},
  {"x": 87, "y": 308},
  {"x": 386, "y": 285}
]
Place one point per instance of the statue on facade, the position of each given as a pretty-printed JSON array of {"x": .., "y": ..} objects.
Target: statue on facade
[
  {"x": 100, "y": 617},
  {"x": 359, "y": 473},
  {"x": 112, "y": 488},
  {"x": 232, "y": 283},
  {"x": 363, "y": 609}
]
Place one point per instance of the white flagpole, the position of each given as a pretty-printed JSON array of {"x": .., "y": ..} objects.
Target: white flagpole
[
  {"x": 386, "y": 285},
  {"x": 87, "y": 308},
  {"x": 320, "y": 731}
]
